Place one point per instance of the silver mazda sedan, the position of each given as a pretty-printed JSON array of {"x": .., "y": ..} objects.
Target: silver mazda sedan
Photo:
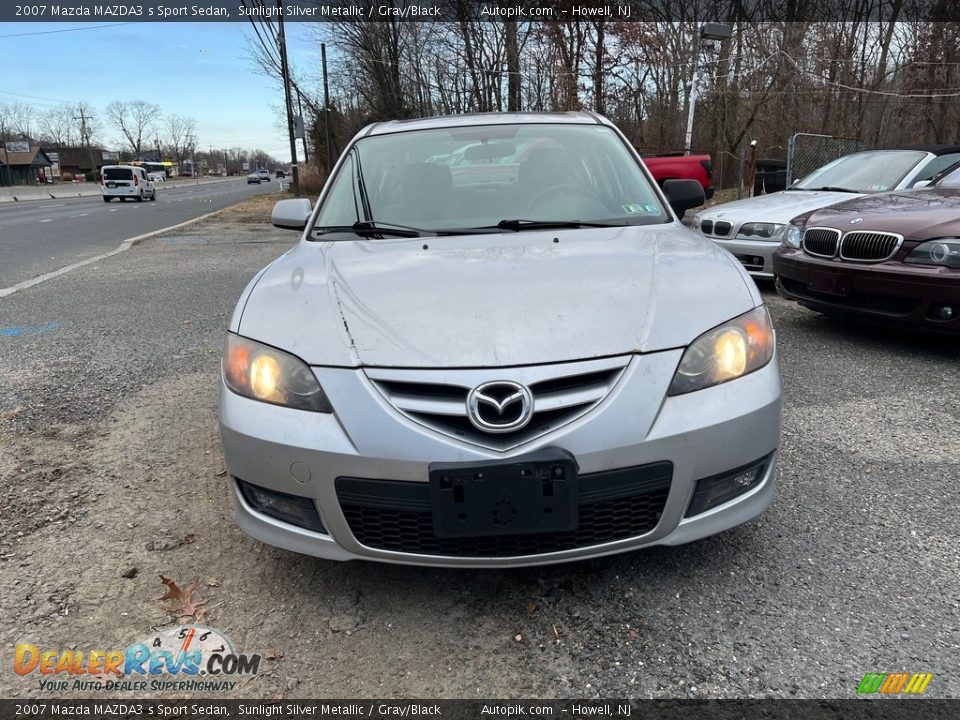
[{"x": 496, "y": 345}]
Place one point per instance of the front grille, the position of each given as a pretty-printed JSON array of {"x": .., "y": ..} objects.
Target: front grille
[
  {"x": 438, "y": 399},
  {"x": 706, "y": 226},
  {"x": 613, "y": 505},
  {"x": 821, "y": 242},
  {"x": 865, "y": 246},
  {"x": 722, "y": 228}
]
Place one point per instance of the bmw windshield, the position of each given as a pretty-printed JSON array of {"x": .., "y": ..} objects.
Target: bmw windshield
[
  {"x": 492, "y": 178},
  {"x": 865, "y": 172}
]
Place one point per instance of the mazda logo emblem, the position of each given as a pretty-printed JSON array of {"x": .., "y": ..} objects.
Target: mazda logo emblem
[{"x": 500, "y": 406}]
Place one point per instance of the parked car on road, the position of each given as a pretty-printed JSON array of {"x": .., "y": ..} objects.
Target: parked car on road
[
  {"x": 497, "y": 373},
  {"x": 753, "y": 228},
  {"x": 126, "y": 181},
  {"x": 892, "y": 258},
  {"x": 253, "y": 178}
]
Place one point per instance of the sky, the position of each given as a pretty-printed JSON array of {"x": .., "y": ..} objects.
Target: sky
[{"x": 200, "y": 70}]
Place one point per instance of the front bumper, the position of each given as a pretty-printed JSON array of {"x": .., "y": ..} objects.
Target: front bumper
[
  {"x": 889, "y": 293},
  {"x": 702, "y": 434},
  {"x": 755, "y": 255}
]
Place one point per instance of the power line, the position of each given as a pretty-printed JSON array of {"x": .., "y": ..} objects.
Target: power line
[{"x": 52, "y": 32}]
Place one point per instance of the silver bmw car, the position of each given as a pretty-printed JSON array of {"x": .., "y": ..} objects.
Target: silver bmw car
[{"x": 518, "y": 358}]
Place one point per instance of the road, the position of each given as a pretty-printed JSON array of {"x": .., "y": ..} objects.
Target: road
[
  {"x": 110, "y": 475},
  {"x": 39, "y": 236}
]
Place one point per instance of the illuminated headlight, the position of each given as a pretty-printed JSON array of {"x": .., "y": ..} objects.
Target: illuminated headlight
[
  {"x": 793, "y": 236},
  {"x": 729, "y": 351},
  {"x": 773, "y": 232},
  {"x": 936, "y": 252},
  {"x": 263, "y": 373}
]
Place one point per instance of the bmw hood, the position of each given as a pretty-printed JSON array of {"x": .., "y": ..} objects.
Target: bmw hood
[
  {"x": 494, "y": 300},
  {"x": 778, "y": 207},
  {"x": 916, "y": 214}
]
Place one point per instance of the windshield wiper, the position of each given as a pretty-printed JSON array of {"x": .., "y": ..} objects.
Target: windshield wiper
[
  {"x": 518, "y": 225},
  {"x": 370, "y": 228},
  {"x": 831, "y": 188}
]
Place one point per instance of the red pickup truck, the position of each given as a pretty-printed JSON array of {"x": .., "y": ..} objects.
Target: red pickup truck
[{"x": 677, "y": 166}]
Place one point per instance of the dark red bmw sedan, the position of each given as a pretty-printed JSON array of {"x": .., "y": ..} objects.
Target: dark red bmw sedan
[{"x": 891, "y": 257}]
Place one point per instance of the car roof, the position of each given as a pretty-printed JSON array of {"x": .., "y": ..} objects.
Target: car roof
[
  {"x": 935, "y": 149},
  {"x": 494, "y": 118}
]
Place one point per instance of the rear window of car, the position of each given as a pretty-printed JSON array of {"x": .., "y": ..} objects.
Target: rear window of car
[{"x": 117, "y": 173}]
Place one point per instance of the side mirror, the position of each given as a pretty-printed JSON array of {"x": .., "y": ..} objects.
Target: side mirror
[
  {"x": 922, "y": 184},
  {"x": 291, "y": 214},
  {"x": 683, "y": 195}
]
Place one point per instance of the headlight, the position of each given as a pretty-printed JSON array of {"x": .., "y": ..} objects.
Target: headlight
[
  {"x": 762, "y": 231},
  {"x": 793, "y": 237},
  {"x": 264, "y": 373},
  {"x": 696, "y": 223},
  {"x": 729, "y": 351},
  {"x": 936, "y": 252}
]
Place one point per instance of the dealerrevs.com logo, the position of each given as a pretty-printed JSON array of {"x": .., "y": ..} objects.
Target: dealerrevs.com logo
[
  {"x": 177, "y": 658},
  {"x": 894, "y": 683}
]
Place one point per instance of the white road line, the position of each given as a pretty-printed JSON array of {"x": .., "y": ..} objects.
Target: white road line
[
  {"x": 125, "y": 245},
  {"x": 115, "y": 209},
  {"x": 50, "y": 206},
  {"x": 47, "y": 220}
]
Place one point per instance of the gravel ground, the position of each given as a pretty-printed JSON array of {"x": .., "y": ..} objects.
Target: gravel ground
[{"x": 110, "y": 475}]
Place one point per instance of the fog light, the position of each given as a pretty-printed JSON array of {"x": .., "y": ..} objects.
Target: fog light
[
  {"x": 718, "y": 489},
  {"x": 293, "y": 509},
  {"x": 943, "y": 312}
]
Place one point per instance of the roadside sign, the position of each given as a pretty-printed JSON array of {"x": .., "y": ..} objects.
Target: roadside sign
[
  {"x": 17, "y": 146},
  {"x": 246, "y": 166},
  {"x": 110, "y": 155}
]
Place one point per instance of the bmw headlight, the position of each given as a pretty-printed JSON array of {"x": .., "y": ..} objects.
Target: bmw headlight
[
  {"x": 773, "y": 232},
  {"x": 793, "y": 236},
  {"x": 936, "y": 252},
  {"x": 263, "y": 373},
  {"x": 729, "y": 351}
]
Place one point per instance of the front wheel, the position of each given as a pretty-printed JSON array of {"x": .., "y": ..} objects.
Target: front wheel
[
  {"x": 140, "y": 196},
  {"x": 153, "y": 198},
  {"x": 106, "y": 199}
]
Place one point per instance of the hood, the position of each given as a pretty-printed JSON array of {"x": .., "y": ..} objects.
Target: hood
[
  {"x": 778, "y": 207},
  {"x": 917, "y": 214},
  {"x": 495, "y": 300}
]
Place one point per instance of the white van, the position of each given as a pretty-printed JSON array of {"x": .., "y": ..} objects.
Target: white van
[{"x": 126, "y": 181}]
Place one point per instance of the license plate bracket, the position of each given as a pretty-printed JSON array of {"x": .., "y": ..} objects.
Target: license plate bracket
[
  {"x": 829, "y": 283},
  {"x": 531, "y": 494}
]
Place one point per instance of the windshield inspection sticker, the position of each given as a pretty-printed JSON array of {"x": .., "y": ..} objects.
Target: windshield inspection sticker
[{"x": 638, "y": 209}]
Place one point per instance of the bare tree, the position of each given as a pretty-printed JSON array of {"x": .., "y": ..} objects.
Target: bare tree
[
  {"x": 134, "y": 119},
  {"x": 177, "y": 132}
]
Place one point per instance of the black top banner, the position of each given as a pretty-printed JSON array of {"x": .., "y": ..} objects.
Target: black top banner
[{"x": 520, "y": 11}]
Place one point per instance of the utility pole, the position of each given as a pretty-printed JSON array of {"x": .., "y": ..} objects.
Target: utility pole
[
  {"x": 285, "y": 71},
  {"x": 86, "y": 138},
  {"x": 193, "y": 163},
  {"x": 708, "y": 31},
  {"x": 326, "y": 110}
]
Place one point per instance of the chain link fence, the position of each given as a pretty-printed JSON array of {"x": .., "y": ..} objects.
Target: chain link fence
[{"x": 807, "y": 152}]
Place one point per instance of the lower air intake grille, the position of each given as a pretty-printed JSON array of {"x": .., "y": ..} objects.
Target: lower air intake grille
[{"x": 612, "y": 505}]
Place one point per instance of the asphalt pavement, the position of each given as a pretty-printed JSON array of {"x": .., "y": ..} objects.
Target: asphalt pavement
[
  {"x": 40, "y": 236},
  {"x": 110, "y": 475}
]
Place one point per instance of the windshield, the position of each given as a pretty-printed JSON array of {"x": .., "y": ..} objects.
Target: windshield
[
  {"x": 865, "y": 172},
  {"x": 463, "y": 178}
]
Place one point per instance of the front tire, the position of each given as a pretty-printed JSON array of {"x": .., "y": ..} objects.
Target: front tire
[
  {"x": 140, "y": 196},
  {"x": 106, "y": 199}
]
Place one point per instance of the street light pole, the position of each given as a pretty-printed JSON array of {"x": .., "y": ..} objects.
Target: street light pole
[
  {"x": 708, "y": 31},
  {"x": 326, "y": 110}
]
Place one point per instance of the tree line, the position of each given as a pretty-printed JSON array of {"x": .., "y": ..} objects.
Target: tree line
[
  {"x": 875, "y": 74},
  {"x": 141, "y": 129}
]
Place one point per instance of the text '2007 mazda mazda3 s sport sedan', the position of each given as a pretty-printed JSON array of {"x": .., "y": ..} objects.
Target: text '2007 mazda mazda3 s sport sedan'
[{"x": 495, "y": 345}]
